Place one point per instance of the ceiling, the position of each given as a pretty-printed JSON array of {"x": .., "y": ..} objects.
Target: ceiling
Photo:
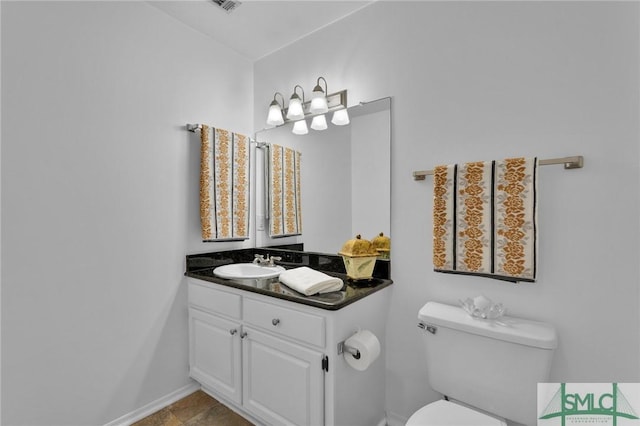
[{"x": 256, "y": 28}]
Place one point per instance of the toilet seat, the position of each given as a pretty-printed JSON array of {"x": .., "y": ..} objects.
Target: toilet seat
[{"x": 447, "y": 413}]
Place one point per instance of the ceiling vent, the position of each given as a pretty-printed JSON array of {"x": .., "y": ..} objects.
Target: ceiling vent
[{"x": 228, "y": 5}]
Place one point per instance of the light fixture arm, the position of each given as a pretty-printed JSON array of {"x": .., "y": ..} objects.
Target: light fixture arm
[
  {"x": 275, "y": 101},
  {"x": 295, "y": 94},
  {"x": 326, "y": 90}
]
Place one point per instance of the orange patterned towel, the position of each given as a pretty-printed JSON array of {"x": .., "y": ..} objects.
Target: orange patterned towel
[
  {"x": 224, "y": 185},
  {"x": 284, "y": 192},
  {"x": 485, "y": 219}
]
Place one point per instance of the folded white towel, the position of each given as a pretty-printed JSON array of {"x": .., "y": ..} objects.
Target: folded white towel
[{"x": 309, "y": 281}]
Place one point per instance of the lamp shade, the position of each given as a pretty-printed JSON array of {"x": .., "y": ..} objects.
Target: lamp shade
[
  {"x": 319, "y": 105},
  {"x": 300, "y": 127},
  {"x": 318, "y": 102},
  {"x": 274, "y": 118},
  {"x": 295, "y": 111},
  {"x": 340, "y": 117},
  {"x": 319, "y": 122}
]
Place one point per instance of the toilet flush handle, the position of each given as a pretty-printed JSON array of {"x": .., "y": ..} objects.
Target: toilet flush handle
[{"x": 430, "y": 328}]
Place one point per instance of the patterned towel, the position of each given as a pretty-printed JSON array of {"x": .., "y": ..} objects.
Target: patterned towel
[
  {"x": 485, "y": 219},
  {"x": 285, "y": 209},
  {"x": 224, "y": 185}
]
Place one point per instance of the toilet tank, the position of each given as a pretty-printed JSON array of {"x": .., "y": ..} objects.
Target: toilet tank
[{"x": 494, "y": 365}]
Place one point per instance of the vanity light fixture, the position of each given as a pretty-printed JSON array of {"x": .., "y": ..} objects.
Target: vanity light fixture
[
  {"x": 296, "y": 111},
  {"x": 274, "y": 118},
  {"x": 300, "y": 127}
]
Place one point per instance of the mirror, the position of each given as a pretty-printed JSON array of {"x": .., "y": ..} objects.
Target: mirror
[{"x": 345, "y": 174}]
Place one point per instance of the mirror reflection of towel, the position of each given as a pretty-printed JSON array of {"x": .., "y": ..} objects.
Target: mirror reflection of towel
[
  {"x": 224, "y": 185},
  {"x": 485, "y": 219},
  {"x": 284, "y": 192}
]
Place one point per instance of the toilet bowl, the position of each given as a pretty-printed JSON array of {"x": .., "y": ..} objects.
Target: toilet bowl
[{"x": 448, "y": 413}]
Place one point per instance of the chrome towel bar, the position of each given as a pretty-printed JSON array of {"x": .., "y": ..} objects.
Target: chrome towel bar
[{"x": 575, "y": 162}]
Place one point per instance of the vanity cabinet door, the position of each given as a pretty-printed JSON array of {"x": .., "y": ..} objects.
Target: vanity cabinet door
[
  {"x": 283, "y": 383},
  {"x": 214, "y": 353}
]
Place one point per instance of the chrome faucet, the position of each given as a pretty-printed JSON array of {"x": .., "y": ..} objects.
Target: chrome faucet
[
  {"x": 266, "y": 261},
  {"x": 273, "y": 260},
  {"x": 260, "y": 260}
]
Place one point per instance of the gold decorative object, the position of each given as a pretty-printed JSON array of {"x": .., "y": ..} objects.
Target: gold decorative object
[
  {"x": 382, "y": 245},
  {"x": 359, "y": 257}
]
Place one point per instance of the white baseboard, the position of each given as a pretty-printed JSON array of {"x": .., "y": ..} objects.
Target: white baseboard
[
  {"x": 154, "y": 406},
  {"x": 394, "y": 419}
]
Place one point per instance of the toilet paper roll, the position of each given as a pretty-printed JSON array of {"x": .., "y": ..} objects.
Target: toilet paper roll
[{"x": 369, "y": 346}]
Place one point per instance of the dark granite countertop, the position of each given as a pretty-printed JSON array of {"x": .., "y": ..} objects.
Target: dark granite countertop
[{"x": 201, "y": 267}]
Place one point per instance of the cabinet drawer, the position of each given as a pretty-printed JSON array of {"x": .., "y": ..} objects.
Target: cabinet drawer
[
  {"x": 211, "y": 299},
  {"x": 297, "y": 325}
]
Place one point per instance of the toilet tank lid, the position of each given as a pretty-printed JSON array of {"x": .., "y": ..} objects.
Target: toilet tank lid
[{"x": 507, "y": 328}]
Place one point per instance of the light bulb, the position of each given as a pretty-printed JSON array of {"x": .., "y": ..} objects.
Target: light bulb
[
  {"x": 340, "y": 117},
  {"x": 319, "y": 122}
]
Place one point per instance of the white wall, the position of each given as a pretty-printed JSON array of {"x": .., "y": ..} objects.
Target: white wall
[
  {"x": 486, "y": 80},
  {"x": 100, "y": 202}
]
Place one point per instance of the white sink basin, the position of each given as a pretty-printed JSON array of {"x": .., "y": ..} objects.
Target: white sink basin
[{"x": 245, "y": 271}]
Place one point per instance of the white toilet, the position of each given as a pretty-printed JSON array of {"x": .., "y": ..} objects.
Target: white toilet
[{"x": 487, "y": 369}]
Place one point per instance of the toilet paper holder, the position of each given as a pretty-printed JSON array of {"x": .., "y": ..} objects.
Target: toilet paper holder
[{"x": 342, "y": 348}]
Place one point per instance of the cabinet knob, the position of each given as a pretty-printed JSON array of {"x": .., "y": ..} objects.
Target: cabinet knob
[
  {"x": 243, "y": 334},
  {"x": 233, "y": 331},
  {"x": 275, "y": 321}
]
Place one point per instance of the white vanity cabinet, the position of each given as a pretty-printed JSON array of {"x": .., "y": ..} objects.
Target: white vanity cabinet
[
  {"x": 282, "y": 382},
  {"x": 277, "y": 362},
  {"x": 214, "y": 346},
  {"x": 215, "y": 353}
]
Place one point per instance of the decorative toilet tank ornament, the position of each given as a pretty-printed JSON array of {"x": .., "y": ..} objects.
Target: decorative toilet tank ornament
[
  {"x": 359, "y": 257},
  {"x": 482, "y": 307}
]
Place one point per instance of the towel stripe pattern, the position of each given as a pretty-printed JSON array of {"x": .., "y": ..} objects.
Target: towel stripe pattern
[
  {"x": 284, "y": 189},
  {"x": 224, "y": 185},
  {"x": 485, "y": 219}
]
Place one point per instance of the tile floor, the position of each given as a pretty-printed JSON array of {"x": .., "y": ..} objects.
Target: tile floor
[{"x": 197, "y": 409}]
